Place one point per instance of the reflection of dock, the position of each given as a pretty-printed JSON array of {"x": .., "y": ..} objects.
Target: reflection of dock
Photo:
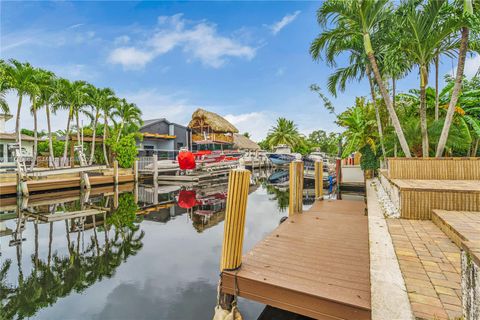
[
  {"x": 315, "y": 264},
  {"x": 58, "y": 216}
]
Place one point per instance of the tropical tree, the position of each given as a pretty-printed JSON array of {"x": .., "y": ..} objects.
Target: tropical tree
[
  {"x": 19, "y": 77},
  {"x": 467, "y": 21},
  {"x": 128, "y": 113},
  {"x": 108, "y": 108},
  {"x": 426, "y": 31},
  {"x": 70, "y": 96},
  {"x": 3, "y": 88},
  {"x": 354, "y": 21},
  {"x": 285, "y": 132},
  {"x": 47, "y": 85}
]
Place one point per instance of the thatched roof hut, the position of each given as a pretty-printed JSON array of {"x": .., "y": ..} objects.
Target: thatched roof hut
[
  {"x": 243, "y": 143},
  {"x": 203, "y": 120}
]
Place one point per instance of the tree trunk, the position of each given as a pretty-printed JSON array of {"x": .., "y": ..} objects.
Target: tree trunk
[
  {"x": 436, "y": 87},
  {"x": 423, "y": 110},
  {"x": 377, "y": 113},
  {"x": 388, "y": 103},
  {"x": 50, "y": 142},
  {"x": 105, "y": 138},
  {"x": 92, "y": 151},
  {"x": 442, "y": 141},
  {"x": 67, "y": 133},
  {"x": 78, "y": 128},
  {"x": 120, "y": 130},
  {"x": 35, "y": 133},
  {"x": 475, "y": 148},
  {"x": 17, "y": 123}
]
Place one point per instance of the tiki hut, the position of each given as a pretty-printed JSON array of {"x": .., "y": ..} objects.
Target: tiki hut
[
  {"x": 210, "y": 128},
  {"x": 243, "y": 143}
]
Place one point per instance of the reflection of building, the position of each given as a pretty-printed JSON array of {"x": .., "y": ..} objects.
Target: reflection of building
[
  {"x": 161, "y": 136},
  {"x": 164, "y": 213},
  {"x": 210, "y": 131},
  {"x": 6, "y": 139}
]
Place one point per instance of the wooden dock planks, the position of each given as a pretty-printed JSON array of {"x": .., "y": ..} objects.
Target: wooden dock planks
[{"x": 316, "y": 264}]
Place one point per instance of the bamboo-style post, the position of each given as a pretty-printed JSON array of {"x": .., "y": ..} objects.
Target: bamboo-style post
[
  {"x": 296, "y": 187},
  {"x": 319, "y": 180},
  {"x": 155, "y": 167},
  {"x": 238, "y": 185},
  {"x": 115, "y": 172}
]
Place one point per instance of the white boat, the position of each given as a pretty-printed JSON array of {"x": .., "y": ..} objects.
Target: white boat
[{"x": 282, "y": 155}]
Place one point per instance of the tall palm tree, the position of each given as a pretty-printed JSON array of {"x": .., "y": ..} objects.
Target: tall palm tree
[
  {"x": 285, "y": 132},
  {"x": 19, "y": 77},
  {"x": 467, "y": 13},
  {"x": 97, "y": 99},
  {"x": 47, "y": 84},
  {"x": 70, "y": 95},
  {"x": 425, "y": 33},
  {"x": 128, "y": 113},
  {"x": 108, "y": 108},
  {"x": 3, "y": 88},
  {"x": 358, "y": 21}
]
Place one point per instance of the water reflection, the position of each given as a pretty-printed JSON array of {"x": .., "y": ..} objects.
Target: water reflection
[{"x": 147, "y": 251}]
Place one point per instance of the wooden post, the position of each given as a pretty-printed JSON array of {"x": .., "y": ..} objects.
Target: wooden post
[
  {"x": 115, "y": 172},
  {"x": 115, "y": 196},
  {"x": 319, "y": 180},
  {"x": 238, "y": 185},
  {"x": 155, "y": 167},
  {"x": 84, "y": 181},
  {"x": 135, "y": 171},
  {"x": 296, "y": 187},
  {"x": 339, "y": 178}
]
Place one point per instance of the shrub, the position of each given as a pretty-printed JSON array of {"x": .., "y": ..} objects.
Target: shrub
[{"x": 126, "y": 151}]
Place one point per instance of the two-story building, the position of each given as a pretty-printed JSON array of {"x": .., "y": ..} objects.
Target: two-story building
[{"x": 163, "y": 138}]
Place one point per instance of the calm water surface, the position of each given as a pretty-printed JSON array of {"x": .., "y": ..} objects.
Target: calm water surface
[{"x": 151, "y": 259}]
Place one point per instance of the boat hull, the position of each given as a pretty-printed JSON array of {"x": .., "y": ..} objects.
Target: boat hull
[{"x": 280, "y": 159}]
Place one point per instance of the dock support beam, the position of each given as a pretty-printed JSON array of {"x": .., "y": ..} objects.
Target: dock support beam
[
  {"x": 155, "y": 167},
  {"x": 115, "y": 172},
  {"x": 296, "y": 187},
  {"x": 84, "y": 181},
  {"x": 238, "y": 185},
  {"x": 319, "y": 180},
  {"x": 135, "y": 171}
]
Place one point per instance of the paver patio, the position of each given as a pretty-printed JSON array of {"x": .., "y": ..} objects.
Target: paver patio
[{"x": 430, "y": 265}]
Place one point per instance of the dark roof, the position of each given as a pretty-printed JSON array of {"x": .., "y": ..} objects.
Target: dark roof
[{"x": 149, "y": 122}]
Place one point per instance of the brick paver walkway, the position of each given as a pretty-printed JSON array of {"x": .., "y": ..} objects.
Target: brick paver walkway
[{"x": 430, "y": 264}]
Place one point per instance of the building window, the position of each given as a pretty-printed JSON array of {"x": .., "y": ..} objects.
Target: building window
[
  {"x": 2, "y": 152},
  {"x": 10, "y": 154},
  {"x": 179, "y": 145}
]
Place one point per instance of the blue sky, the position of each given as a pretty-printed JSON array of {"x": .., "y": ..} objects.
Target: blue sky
[{"x": 247, "y": 61}]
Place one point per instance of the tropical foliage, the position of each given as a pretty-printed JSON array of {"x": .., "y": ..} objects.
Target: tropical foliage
[
  {"x": 384, "y": 41},
  {"x": 47, "y": 91}
]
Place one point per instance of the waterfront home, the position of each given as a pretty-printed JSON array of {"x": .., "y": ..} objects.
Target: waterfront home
[
  {"x": 162, "y": 136},
  {"x": 211, "y": 131},
  {"x": 7, "y": 139}
]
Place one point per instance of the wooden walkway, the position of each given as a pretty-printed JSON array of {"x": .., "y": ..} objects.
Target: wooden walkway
[{"x": 315, "y": 264}]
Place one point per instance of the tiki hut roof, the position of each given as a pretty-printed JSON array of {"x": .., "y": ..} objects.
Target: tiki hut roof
[
  {"x": 243, "y": 143},
  {"x": 213, "y": 120}
]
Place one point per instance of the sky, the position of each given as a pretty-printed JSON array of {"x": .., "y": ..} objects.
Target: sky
[{"x": 247, "y": 61}]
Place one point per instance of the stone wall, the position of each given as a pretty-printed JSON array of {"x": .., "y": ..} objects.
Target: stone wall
[{"x": 470, "y": 286}]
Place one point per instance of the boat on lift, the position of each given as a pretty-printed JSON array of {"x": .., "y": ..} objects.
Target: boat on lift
[{"x": 282, "y": 155}]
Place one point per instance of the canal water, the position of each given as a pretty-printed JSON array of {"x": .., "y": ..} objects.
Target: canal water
[{"x": 154, "y": 254}]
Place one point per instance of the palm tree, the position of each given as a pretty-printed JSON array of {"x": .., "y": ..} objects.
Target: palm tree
[
  {"x": 19, "y": 77},
  {"x": 3, "y": 88},
  {"x": 468, "y": 12},
  {"x": 70, "y": 95},
  {"x": 128, "y": 113},
  {"x": 98, "y": 99},
  {"x": 108, "y": 108},
  {"x": 355, "y": 21},
  {"x": 47, "y": 84},
  {"x": 425, "y": 33},
  {"x": 285, "y": 132}
]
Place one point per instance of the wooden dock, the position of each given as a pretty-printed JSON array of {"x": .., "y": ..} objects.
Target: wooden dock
[{"x": 315, "y": 264}]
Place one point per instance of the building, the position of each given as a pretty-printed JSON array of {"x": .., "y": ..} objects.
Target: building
[
  {"x": 244, "y": 143},
  {"x": 211, "y": 132},
  {"x": 162, "y": 137},
  {"x": 6, "y": 139}
]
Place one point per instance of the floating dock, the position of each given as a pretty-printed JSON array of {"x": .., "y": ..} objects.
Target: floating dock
[{"x": 316, "y": 264}]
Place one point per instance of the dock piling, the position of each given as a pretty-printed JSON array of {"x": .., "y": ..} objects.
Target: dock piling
[
  {"x": 115, "y": 172},
  {"x": 319, "y": 180},
  {"x": 296, "y": 187},
  {"x": 135, "y": 171},
  {"x": 155, "y": 167},
  {"x": 238, "y": 184}
]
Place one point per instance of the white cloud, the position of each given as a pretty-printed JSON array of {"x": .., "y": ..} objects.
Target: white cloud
[
  {"x": 256, "y": 124},
  {"x": 130, "y": 57},
  {"x": 286, "y": 20},
  {"x": 121, "y": 40},
  {"x": 200, "y": 41},
  {"x": 472, "y": 66}
]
